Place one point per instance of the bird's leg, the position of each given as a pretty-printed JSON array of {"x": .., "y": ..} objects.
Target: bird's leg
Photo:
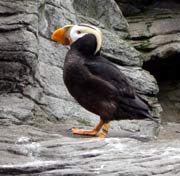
[
  {"x": 92, "y": 132},
  {"x": 104, "y": 130}
]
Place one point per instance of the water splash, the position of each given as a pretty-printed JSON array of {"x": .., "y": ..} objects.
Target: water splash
[{"x": 28, "y": 147}]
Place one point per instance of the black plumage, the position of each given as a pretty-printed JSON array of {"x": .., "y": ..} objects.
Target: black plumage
[{"x": 99, "y": 86}]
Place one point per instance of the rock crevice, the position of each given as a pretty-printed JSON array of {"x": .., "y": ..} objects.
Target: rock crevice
[{"x": 154, "y": 31}]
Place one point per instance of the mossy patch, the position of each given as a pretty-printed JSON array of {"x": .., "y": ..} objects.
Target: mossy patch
[
  {"x": 84, "y": 122},
  {"x": 144, "y": 45}
]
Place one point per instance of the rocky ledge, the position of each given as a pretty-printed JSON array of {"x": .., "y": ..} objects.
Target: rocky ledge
[{"x": 53, "y": 151}]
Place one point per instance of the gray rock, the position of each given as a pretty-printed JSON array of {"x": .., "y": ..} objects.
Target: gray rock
[
  {"x": 119, "y": 51},
  {"x": 138, "y": 78},
  {"x": 165, "y": 51},
  {"x": 43, "y": 151},
  {"x": 155, "y": 33},
  {"x": 157, "y": 26},
  {"x": 19, "y": 55},
  {"x": 15, "y": 109},
  {"x": 105, "y": 13}
]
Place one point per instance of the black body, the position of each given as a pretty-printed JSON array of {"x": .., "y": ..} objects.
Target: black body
[{"x": 99, "y": 86}]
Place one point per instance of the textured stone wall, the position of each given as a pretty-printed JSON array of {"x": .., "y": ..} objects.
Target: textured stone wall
[
  {"x": 18, "y": 59},
  {"x": 154, "y": 30}
]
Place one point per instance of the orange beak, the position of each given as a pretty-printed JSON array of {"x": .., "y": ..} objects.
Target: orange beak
[{"x": 60, "y": 35}]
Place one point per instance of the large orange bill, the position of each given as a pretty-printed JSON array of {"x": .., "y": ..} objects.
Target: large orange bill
[{"x": 60, "y": 35}]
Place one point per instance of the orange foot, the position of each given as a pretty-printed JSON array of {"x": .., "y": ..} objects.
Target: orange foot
[
  {"x": 84, "y": 132},
  {"x": 104, "y": 130}
]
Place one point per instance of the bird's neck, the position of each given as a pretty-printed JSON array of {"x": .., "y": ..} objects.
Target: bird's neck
[
  {"x": 73, "y": 56},
  {"x": 85, "y": 45}
]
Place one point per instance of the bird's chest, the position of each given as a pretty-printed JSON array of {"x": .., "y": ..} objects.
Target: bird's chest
[
  {"x": 74, "y": 74},
  {"x": 76, "y": 78}
]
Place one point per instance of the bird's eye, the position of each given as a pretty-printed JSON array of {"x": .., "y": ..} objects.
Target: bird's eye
[{"x": 78, "y": 32}]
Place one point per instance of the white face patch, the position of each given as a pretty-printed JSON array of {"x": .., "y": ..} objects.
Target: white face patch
[{"x": 76, "y": 33}]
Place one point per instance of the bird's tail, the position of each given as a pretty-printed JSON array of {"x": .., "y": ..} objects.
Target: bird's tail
[
  {"x": 153, "y": 118},
  {"x": 139, "y": 108},
  {"x": 146, "y": 110}
]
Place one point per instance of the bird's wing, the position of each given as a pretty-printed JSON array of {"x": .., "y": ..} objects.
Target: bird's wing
[
  {"x": 122, "y": 89},
  {"x": 102, "y": 87},
  {"x": 106, "y": 71}
]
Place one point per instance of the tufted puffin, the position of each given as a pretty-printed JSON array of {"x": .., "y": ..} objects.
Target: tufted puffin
[{"x": 95, "y": 82}]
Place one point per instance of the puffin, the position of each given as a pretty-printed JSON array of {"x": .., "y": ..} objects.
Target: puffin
[{"x": 96, "y": 83}]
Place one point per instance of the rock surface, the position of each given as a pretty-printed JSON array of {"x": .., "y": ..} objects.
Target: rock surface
[
  {"x": 51, "y": 151},
  {"x": 154, "y": 31},
  {"x": 36, "y": 111}
]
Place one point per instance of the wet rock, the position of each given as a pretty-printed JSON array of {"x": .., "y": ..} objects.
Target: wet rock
[{"x": 44, "y": 151}]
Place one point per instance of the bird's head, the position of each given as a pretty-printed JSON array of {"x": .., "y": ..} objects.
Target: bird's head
[{"x": 69, "y": 34}]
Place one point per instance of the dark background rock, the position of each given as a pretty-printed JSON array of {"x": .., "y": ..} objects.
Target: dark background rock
[
  {"x": 155, "y": 31},
  {"x": 36, "y": 110}
]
